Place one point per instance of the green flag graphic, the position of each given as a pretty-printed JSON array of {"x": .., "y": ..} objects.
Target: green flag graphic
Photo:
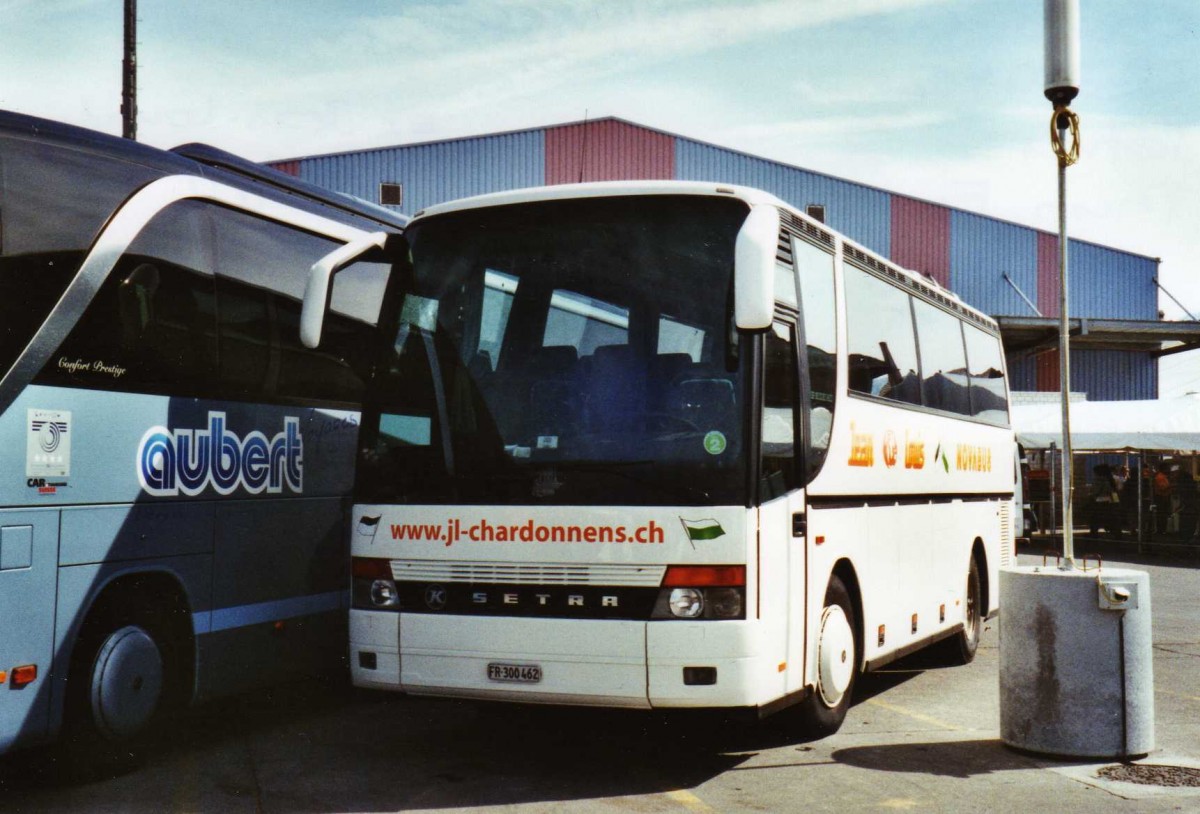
[{"x": 704, "y": 529}]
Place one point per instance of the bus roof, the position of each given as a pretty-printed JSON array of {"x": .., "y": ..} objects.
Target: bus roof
[
  {"x": 197, "y": 159},
  {"x": 602, "y": 189}
]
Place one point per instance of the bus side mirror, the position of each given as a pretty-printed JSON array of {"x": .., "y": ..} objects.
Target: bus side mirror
[
  {"x": 320, "y": 276},
  {"x": 754, "y": 269}
]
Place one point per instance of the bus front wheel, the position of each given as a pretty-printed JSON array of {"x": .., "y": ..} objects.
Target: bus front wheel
[
  {"x": 118, "y": 681},
  {"x": 825, "y": 708}
]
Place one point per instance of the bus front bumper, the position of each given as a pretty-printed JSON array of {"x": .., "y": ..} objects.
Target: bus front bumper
[{"x": 641, "y": 665}]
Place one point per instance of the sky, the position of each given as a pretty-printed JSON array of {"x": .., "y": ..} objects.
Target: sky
[{"x": 939, "y": 99}]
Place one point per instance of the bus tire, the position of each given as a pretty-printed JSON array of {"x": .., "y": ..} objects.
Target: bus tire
[
  {"x": 960, "y": 648},
  {"x": 119, "y": 679},
  {"x": 838, "y": 660}
]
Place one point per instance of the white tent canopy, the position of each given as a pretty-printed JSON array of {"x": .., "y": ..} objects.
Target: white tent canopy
[{"x": 1162, "y": 424}]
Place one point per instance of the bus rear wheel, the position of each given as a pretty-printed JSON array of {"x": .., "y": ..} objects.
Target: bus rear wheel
[
  {"x": 960, "y": 648},
  {"x": 823, "y": 711}
]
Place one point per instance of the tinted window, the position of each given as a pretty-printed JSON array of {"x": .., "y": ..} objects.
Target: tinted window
[
  {"x": 985, "y": 362},
  {"x": 943, "y": 360},
  {"x": 883, "y": 353},
  {"x": 262, "y": 269},
  {"x": 818, "y": 311},
  {"x": 150, "y": 327},
  {"x": 53, "y": 201},
  {"x": 584, "y": 323},
  {"x": 779, "y": 412},
  {"x": 679, "y": 337},
  {"x": 580, "y": 353},
  {"x": 191, "y": 310}
]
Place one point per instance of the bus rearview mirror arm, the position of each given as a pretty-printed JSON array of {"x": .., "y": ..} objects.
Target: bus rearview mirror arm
[
  {"x": 754, "y": 269},
  {"x": 320, "y": 276}
]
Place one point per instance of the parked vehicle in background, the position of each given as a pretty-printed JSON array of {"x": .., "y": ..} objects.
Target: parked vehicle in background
[{"x": 176, "y": 464}]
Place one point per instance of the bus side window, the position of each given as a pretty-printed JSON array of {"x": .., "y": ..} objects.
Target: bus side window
[
  {"x": 985, "y": 361},
  {"x": 883, "y": 352},
  {"x": 815, "y": 269},
  {"x": 943, "y": 359},
  {"x": 779, "y": 412},
  {"x": 261, "y": 273},
  {"x": 150, "y": 327}
]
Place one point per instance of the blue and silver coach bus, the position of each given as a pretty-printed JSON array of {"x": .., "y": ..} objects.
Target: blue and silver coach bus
[{"x": 174, "y": 463}]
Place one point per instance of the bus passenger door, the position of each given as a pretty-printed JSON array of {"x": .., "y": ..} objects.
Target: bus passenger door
[
  {"x": 782, "y": 528},
  {"x": 28, "y": 581}
]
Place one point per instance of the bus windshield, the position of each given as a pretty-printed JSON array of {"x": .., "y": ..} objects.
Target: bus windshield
[{"x": 566, "y": 352}]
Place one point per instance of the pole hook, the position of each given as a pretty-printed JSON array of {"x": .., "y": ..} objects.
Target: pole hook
[{"x": 1062, "y": 119}]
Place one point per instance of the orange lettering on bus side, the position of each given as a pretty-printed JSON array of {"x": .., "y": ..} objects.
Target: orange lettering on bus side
[
  {"x": 914, "y": 452},
  {"x": 862, "y": 448}
]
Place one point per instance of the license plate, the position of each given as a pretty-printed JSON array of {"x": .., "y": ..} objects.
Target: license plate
[{"x": 520, "y": 673}]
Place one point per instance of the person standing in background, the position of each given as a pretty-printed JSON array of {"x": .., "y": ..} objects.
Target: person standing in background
[{"x": 1162, "y": 497}]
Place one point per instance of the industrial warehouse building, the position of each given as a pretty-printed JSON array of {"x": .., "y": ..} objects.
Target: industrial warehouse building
[{"x": 1005, "y": 269}]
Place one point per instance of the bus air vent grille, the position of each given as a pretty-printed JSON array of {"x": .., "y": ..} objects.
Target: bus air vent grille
[
  {"x": 783, "y": 252},
  {"x": 511, "y": 573},
  {"x": 806, "y": 230},
  {"x": 1006, "y": 534}
]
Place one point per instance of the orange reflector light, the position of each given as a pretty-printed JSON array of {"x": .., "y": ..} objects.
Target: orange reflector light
[
  {"x": 782, "y": 666},
  {"x": 371, "y": 568},
  {"x": 3, "y": 676},
  {"x": 25, "y": 674},
  {"x": 700, "y": 576}
]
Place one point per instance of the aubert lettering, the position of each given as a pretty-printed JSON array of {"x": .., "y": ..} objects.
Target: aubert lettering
[{"x": 189, "y": 461}]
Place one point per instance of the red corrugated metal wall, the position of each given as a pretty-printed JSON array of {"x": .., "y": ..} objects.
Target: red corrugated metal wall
[
  {"x": 921, "y": 237},
  {"x": 1047, "y": 303},
  {"x": 607, "y": 150},
  {"x": 1047, "y": 371},
  {"x": 1047, "y": 276},
  {"x": 289, "y": 167}
]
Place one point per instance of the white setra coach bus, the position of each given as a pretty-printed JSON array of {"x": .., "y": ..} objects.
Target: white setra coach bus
[{"x": 669, "y": 444}]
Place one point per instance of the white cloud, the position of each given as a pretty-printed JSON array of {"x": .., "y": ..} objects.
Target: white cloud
[{"x": 407, "y": 76}]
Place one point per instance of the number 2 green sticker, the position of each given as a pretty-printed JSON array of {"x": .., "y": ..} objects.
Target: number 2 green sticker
[{"x": 714, "y": 442}]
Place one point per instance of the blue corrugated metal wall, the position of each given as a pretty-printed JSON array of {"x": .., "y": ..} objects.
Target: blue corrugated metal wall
[
  {"x": 860, "y": 212},
  {"x": 1113, "y": 375},
  {"x": 1022, "y": 373},
  {"x": 981, "y": 251},
  {"x": 1107, "y": 284},
  {"x": 1104, "y": 375},
  {"x": 436, "y": 172}
]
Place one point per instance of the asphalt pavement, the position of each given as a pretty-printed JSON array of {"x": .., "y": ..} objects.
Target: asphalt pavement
[{"x": 920, "y": 737}]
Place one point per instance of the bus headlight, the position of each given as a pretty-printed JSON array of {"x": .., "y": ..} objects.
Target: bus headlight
[
  {"x": 724, "y": 603},
  {"x": 383, "y": 594},
  {"x": 686, "y": 603},
  {"x": 702, "y": 592},
  {"x": 373, "y": 586}
]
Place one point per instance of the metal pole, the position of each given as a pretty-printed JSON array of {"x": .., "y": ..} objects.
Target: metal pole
[
  {"x": 1053, "y": 508},
  {"x": 1064, "y": 360},
  {"x": 129, "y": 74}
]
